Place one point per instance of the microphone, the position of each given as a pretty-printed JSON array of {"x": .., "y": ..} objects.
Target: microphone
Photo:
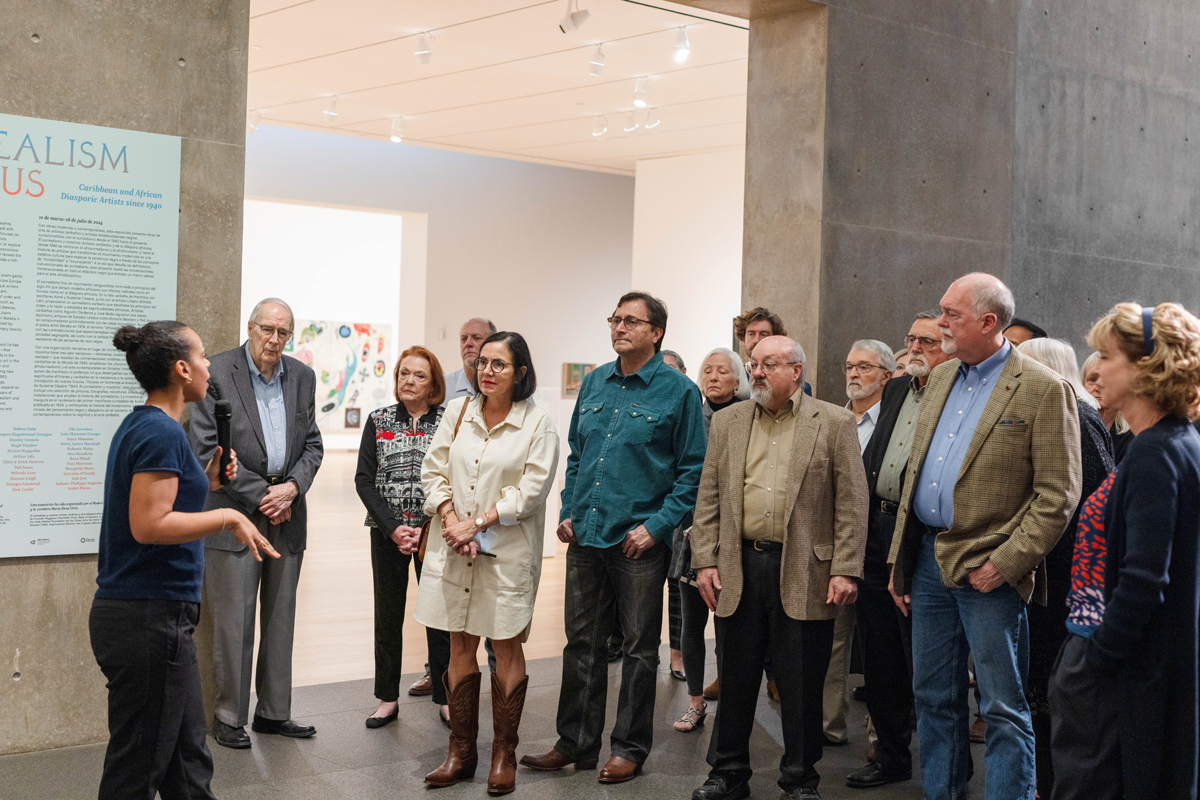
[{"x": 223, "y": 413}]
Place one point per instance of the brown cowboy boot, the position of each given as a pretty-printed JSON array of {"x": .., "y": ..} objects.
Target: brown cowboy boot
[
  {"x": 506, "y": 718},
  {"x": 463, "y": 757}
]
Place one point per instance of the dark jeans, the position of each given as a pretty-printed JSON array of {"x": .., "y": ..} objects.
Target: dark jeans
[
  {"x": 695, "y": 619},
  {"x": 887, "y": 673},
  {"x": 603, "y": 585},
  {"x": 389, "y": 569},
  {"x": 438, "y": 643},
  {"x": 156, "y": 722},
  {"x": 760, "y": 626},
  {"x": 1084, "y": 738}
]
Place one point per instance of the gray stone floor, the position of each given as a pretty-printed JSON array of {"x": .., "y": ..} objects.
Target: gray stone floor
[{"x": 347, "y": 761}]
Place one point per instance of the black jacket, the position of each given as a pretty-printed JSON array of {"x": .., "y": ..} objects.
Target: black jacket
[{"x": 879, "y": 532}]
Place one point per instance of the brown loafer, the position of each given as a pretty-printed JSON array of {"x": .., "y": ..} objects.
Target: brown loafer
[
  {"x": 772, "y": 691},
  {"x": 554, "y": 761},
  {"x": 713, "y": 691},
  {"x": 978, "y": 732},
  {"x": 423, "y": 687},
  {"x": 619, "y": 770}
]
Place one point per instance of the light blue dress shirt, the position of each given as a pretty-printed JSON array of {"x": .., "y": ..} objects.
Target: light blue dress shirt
[
  {"x": 269, "y": 396},
  {"x": 866, "y": 425},
  {"x": 934, "y": 499},
  {"x": 458, "y": 385}
]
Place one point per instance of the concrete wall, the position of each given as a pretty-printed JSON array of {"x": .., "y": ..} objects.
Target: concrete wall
[
  {"x": 117, "y": 65},
  {"x": 540, "y": 249},
  {"x": 687, "y": 247}
]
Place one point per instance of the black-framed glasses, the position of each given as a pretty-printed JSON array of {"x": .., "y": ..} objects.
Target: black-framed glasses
[
  {"x": 926, "y": 342},
  {"x": 861, "y": 367},
  {"x": 767, "y": 367},
  {"x": 496, "y": 364},
  {"x": 270, "y": 330},
  {"x": 630, "y": 323}
]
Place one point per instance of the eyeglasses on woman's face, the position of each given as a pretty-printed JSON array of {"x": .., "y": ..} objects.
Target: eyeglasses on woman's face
[{"x": 497, "y": 366}]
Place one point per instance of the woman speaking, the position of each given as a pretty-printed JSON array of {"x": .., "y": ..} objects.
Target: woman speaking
[
  {"x": 151, "y": 565},
  {"x": 487, "y": 475}
]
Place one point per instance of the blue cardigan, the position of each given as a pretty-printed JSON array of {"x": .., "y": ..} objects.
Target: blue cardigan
[{"x": 1149, "y": 634}]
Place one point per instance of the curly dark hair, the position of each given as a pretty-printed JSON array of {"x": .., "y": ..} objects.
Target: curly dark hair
[
  {"x": 152, "y": 350},
  {"x": 743, "y": 320}
]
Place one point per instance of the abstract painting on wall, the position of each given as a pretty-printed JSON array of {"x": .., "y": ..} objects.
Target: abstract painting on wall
[{"x": 351, "y": 362}]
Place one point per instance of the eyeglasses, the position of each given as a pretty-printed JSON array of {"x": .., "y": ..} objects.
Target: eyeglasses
[
  {"x": 767, "y": 367},
  {"x": 270, "y": 330},
  {"x": 860, "y": 367},
  {"x": 925, "y": 341},
  {"x": 630, "y": 323},
  {"x": 497, "y": 365}
]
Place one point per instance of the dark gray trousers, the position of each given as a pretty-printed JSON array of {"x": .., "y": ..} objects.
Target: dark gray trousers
[{"x": 1083, "y": 728}]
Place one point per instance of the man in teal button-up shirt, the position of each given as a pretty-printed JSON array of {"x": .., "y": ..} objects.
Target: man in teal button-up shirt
[{"x": 637, "y": 450}]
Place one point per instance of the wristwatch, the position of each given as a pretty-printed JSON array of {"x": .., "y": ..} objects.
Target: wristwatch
[{"x": 479, "y": 523}]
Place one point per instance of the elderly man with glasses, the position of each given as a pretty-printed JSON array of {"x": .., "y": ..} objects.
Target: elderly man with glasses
[
  {"x": 637, "y": 448},
  {"x": 274, "y": 432}
]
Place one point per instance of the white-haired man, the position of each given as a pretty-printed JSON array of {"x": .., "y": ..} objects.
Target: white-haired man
[
  {"x": 778, "y": 540},
  {"x": 868, "y": 367}
]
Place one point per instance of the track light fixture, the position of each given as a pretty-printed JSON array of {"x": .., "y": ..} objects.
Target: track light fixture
[
  {"x": 682, "y": 47},
  {"x": 253, "y": 120},
  {"x": 397, "y": 129},
  {"x": 631, "y": 123},
  {"x": 596, "y": 62},
  {"x": 330, "y": 111},
  {"x": 639, "y": 92},
  {"x": 573, "y": 20},
  {"x": 423, "y": 53},
  {"x": 652, "y": 120},
  {"x": 599, "y": 126}
]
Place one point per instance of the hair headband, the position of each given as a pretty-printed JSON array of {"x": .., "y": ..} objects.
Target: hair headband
[{"x": 1148, "y": 330}]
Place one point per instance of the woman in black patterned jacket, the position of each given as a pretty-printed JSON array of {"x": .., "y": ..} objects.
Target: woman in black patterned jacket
[{"x": 394, "y": 441}]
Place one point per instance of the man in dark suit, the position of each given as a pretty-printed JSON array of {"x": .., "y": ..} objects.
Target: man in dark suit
[
  {"x": 886, "y": 635},
  {"x": 274, "y": 432}
]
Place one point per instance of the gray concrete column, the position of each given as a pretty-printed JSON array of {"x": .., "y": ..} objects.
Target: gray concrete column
[{"x": 175, "y": 68}]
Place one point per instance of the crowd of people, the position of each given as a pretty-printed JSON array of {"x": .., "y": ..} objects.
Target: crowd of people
[{"x": 983, "y": 512}]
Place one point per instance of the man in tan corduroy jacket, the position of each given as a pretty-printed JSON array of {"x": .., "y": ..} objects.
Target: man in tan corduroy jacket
[
  {"x": 993, "y": 478},
  {"x": 779, "y": 538}
]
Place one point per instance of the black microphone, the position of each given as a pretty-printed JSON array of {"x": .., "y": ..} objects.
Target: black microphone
[{"x": 224, "y": 413}]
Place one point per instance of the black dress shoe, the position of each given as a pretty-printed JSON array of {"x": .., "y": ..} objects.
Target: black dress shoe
[
  {"x": 859, "y": 694},
  {"x": 229, "y": 736},
  {"x": 379, "y": 722},
  {"x": 722, "y": 787},
  {"x": 678, "y": 675},
  {"x": 875, "y": 774},
  {"x": 293, "y": 730},
  {"x": 614, "y": 652}
]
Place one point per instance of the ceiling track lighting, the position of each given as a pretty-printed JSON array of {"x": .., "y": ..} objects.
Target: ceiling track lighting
[
  {"x": 253, "y": 120},
  {"x": 573, "y": 20},
  {"x": 423, "y": 53},
  {"x": 640, "y": 90},
  {"x": 596, "y": 62},
  {"x": 330, "y": 111},
  {"x": 683, "y": 47},
  {"x": 652, "y": 119},
  {"x": 631, "y": 123},
  {"x": 599, "y": 126},
  {"x": 397, "y": 135}
]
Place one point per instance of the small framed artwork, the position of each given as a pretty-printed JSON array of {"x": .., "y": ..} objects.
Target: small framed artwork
[
  {"x": 353, "y": 418},
  {"x": 573, "y": 378}
]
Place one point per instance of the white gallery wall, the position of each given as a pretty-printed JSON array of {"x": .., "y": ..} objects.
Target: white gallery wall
[{"x": 687, "y": 246}]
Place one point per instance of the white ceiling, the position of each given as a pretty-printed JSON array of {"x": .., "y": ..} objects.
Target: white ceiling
[{"x": 503, "y": 79}]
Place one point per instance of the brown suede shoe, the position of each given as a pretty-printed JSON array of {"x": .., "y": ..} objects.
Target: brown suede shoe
[
  {"x": 713, "y": 691},
  {"x": 978, "y": 731},
  {"x": 619, "y": 770},
  {"x": 554, "y": 761},
  {"x": 773, "y": 691},
  {"x": 463, "y": 755},
  {"x": 506, "y": 718},
  {"x": 423, "y": 687}
]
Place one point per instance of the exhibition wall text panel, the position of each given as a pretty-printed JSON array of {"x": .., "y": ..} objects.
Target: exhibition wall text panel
[{"x": 89, "y": 241}]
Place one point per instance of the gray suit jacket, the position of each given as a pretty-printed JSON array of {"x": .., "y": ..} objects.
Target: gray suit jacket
[{"x": 230, "y": 379}]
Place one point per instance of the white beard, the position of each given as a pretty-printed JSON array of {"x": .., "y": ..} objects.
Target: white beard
[
  {"x": 918, "y": 369},
  {"x": 761, "y": 395},
  {"x": 949, "y": 346}
]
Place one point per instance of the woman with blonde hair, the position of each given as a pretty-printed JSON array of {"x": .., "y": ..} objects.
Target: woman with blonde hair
[
  {"x": 1047, "y": 624},
  {"x": 1126, "y": 686},
  {"x": 1118, "y": 428}
]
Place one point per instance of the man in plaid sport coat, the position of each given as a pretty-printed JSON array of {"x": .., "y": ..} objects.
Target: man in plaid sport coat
[
  {"x": 779, "y": 538},
  {"x": 992, "y": 481}
]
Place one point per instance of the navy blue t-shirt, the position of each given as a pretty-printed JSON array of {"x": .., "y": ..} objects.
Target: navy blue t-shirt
[{"x": 149, "y": 441}]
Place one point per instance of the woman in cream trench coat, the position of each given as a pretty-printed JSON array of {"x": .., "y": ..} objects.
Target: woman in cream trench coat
[{"x": 486, "y": 488}]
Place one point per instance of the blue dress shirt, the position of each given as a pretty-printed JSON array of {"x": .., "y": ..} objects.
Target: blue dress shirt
[
  {"x": 934, "y": 499},
  {"x": 271, "y": 413}
]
